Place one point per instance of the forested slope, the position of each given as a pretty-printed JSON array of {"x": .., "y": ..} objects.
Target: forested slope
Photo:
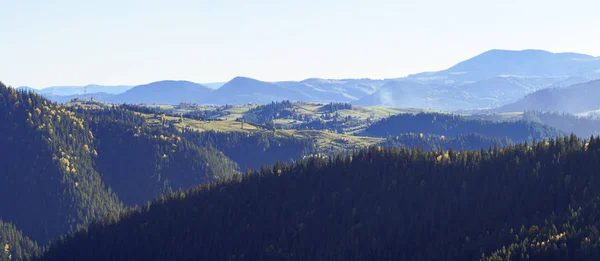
[
  {"x": 253, "y": 150},
  {"x": 452, "y": 125},
  {"x": 139, "y": 162},
  {"x": 47, "y": 180},
  {"x": 14, "y": 245},
  {"x": 469, "y": 141},
  {"x": 375, "y": 204}
]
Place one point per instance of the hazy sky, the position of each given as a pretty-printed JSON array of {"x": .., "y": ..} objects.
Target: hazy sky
[{"x": 75, "y": 42}]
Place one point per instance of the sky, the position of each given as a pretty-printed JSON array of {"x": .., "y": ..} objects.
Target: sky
[{"x": 73, "y": 42}]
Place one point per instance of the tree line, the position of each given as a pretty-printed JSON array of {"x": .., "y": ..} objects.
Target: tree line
[{"x": 526, "y": 201}]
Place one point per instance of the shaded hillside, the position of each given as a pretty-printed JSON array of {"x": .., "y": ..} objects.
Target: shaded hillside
[
  {"x": 470, "y": 141},
  {"x": 242, "y": 90},
  {"x": 573, "y": 99},
  {"x": 452, "y": 125},
  {"x": 14, "y": 245},
  {"x": 375, "y": 204},
  {"x": 253, "y": 150},
  {"x": 164, "y": 92},
  {"x": 139, "y": 162},
  {"x": 47, "y": 184},
  {"x": 573, "y": 236}
]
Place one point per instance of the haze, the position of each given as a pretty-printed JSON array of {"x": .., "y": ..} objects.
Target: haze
[{"x": 132, "y": 42}]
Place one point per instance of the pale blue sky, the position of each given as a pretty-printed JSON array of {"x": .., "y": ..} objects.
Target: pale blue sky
[{"x": 75, "y": 42}]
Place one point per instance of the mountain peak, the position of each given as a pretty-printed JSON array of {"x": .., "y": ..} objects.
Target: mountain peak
[
  {"x": 246, "y": 82},
  {"x": 243, "y": 79},
  {"x": 168, "y": 82},
  {"x": 528, "y": 62},
  {"x": 165, "y": 91}
]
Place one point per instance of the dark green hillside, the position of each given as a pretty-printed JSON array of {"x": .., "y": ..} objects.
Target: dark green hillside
[
  {"x": 376, "y": 204},
  {"x": 253, "y": 150},
  {"x": 452, "y": 125},
  {"x": 47, "y": 181},
  {"x": 268, "y": 112},
  {"x": 436, "y": 142},
  {"x": 140, "y": 162},
  {"x": 14, "y": 245},
  {"x": 574, "y": 236}
]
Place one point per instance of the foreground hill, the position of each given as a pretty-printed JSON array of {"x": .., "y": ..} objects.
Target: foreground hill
[
  {"x": 376, "y": 204},
  {"x": 573, "y": 99},
  {"x": 63, "y": 166},
  {"x": 48, "y": 184}
]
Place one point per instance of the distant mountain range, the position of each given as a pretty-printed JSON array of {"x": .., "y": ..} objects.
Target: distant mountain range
[
  {"x": 79, "y": 90},
  {"x": 491, "y": 79},
  {"x": 525, "y": 63},
  {"x": 488, "y": 93},
  {"x": 240, "y": 90}
]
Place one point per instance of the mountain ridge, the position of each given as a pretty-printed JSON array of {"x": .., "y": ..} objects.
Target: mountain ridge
[{"x": 488, "y": 80}]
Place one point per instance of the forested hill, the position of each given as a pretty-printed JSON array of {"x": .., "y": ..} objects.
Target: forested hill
[
  {"x": 63, "y": 166},
  {"x": 14, "y": 245},
  {"x": 253, "y": 150},
  {"x": 451, "y": 125},
  {"x": 470, "y": 141},
  {"x": 139, "y": 162},
  {"x": 47, "y": 183},
  {"x": 532, "y": 201}
]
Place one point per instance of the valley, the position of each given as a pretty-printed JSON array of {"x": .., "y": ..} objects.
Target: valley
[{"x": 253, "y": 170}]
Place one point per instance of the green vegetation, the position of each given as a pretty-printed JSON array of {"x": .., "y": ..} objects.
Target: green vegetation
[
  {"x": 264, "y": 114},
  {"x": 292, "y": 181},
  {"x": 48, "y": 184},
  {"x": 340, "y": 117},
  {"x": 374, "y": 204},
  {"x": 253, "y": 150},
  {"x": 452, "y": 125},
  {"x": 436, "y": 142},
  {"x": 336, "y": 106},
  {"x": 132, "y": 154},
  {"x": 14, "y": 245}
]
